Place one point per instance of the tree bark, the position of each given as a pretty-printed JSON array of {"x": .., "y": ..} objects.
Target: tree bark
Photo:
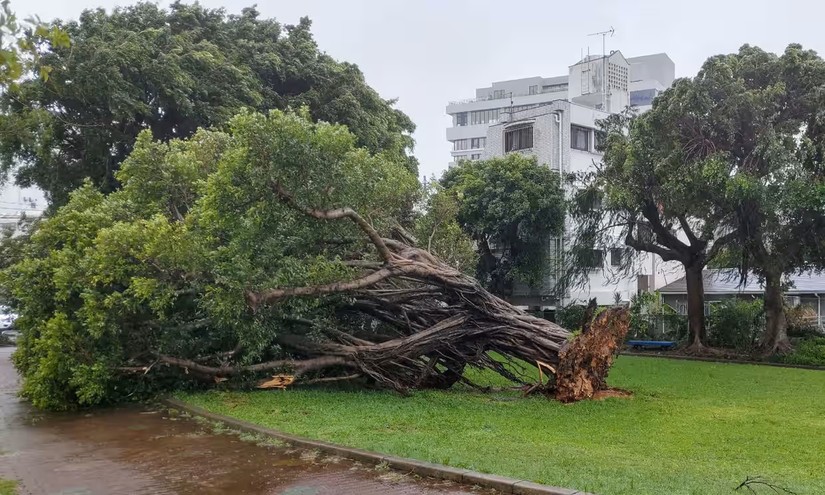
[
  {"x": 696, "y": 307},
  {"x": 775, "y": 337}
]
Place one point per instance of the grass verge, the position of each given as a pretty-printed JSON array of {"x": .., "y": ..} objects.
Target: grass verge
[
  {"x": 691, "y": 428},
  {"x": 8, "y": 487}
]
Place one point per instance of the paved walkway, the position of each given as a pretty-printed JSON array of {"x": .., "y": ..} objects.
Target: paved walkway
[{"x": 140, "y": 451}]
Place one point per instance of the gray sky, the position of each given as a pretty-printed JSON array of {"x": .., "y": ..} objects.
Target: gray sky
[{"x": 428, "y": 52}]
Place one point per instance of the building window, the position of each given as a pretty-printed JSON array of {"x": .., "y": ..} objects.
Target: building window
[
  {"x": 461, "y": 119},
  {"x": 461, "y": 144},
  {"x": 519, "y": 138},
  {"x": 478, "y": 143},
  {"x": 498, "y": 93},
  {"x": 579, "y": 138},
  {"x": 552, "y": 88},
  {"x": 617, "y": 255},
  {"x": 461, "y": 158},
  {"x": 642, "y": 97},
  {"x": 475, "y": 156},
  {"x": 533, "y": 90},
  {"x": 595, "y": 259},
  {"x": 484, "y": 116}
]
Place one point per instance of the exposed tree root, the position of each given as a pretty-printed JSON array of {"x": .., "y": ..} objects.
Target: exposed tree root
[{"x": 584, "y": 364}]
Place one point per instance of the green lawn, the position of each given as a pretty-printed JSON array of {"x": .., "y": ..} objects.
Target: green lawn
[
  {"x": 691, "y": 427},
  {"x": 8, "y": 487}
]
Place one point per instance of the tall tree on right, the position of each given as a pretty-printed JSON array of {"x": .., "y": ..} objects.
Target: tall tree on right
[
  {"x": 731, "y": 158},
  {"x": 760, "y": 115}
]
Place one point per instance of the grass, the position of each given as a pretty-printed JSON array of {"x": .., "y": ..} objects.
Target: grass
[
  {"x": 8, "y": 487},
  {"x": 691, "y": 428}
]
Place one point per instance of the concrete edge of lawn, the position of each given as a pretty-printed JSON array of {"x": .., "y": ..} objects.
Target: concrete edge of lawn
[{"x": 421, "y": 468}]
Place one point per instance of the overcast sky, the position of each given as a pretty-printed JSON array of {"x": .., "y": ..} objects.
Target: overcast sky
[{"x": 428, "y": 52}]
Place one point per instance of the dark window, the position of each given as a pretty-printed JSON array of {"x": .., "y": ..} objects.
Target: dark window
[
  {"x": 461, "y": 144},
  {"x": 478, "y": 143},
  {"x": 520, "y": 138},
  {"x": 498, "y": 93},
  {"x": 461, "y": 119},
  {"x": 579, "y": 138},
  {"x": 484, "y": 116},
  {"x": 595, "y": 259},
  {"x": 642, "y": 97},
  {"x": 534, "y": 90},
  {"x": 617, "y": 256},
  {"x": 475, "y": 156}
]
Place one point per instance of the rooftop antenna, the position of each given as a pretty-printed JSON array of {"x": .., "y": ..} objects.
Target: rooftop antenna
[{"x": 604, "y": 34}]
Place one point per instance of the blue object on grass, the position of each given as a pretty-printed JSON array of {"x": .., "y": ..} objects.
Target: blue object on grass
[{"x": 651, "y": 343}]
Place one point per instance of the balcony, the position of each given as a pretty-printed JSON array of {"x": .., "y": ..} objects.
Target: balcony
[{"x": 507, "y": 95}]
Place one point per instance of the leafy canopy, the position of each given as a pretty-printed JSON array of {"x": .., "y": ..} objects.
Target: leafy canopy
[
  {"x": 511, "y": 207},
  {"x": 161, "y": 266},
  {"x": 171, "y": 72}
]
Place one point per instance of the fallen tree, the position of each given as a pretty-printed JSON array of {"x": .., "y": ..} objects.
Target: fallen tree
[
  {"x": 444, "y": 320},
  {"x": 215, "y": 264}
]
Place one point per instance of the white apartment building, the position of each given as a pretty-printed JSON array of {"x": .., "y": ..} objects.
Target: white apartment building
[{"x": 555, "y": 120}]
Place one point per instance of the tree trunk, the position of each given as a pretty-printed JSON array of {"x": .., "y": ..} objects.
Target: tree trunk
[
  {"x": 775, "y": 337},
  {"x": 697, "y": 335}
]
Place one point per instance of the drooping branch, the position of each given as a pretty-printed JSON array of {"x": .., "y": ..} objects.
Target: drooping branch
[{"x": 287, "y": 198}]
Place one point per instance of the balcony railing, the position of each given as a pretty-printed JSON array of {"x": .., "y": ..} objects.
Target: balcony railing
[{"x": 489, "y": 97}]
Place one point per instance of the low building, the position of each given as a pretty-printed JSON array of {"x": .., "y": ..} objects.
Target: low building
[{"x": 806, "y": 289}]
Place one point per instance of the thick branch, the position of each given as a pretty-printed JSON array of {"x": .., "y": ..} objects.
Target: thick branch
[
  {"x": 665, "y": 253},
  {"x": 299, "y": 366},
  {"x": 287, "y": 198},
  {"x": 688, "y": 230},
  {"x": 255, "y": 299}
]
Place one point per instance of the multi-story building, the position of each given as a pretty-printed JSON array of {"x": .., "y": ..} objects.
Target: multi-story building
[{"x": 555, "y": 119}]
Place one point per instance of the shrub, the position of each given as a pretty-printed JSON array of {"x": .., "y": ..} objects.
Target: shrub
[
  {"x": 809, "y": 352},
  {"x": 570, "y": 317},
  {"x": 654, "y": 320},
  {"x": 736, "y": 324},
  {"x": 801, "y": 322}
]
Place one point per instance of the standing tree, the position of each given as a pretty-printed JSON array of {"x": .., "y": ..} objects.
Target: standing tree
[
  {"x": 510, "y": 207},
  {"x": 737, "y": 151},
  {"x": 651, "y": 196},
  {"x": 760, "y": 116},
  {"x": 171, "y": 72}
]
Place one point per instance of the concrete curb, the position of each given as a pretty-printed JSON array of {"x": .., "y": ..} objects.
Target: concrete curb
[
  {"x": 421, "y": 468},
  {"x": 723, "y": 361}
]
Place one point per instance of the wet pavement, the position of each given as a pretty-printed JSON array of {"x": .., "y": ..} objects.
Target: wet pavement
[{"x": 142, "y": 451}]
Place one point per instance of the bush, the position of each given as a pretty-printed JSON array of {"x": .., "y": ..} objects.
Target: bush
[
  {"x": 801, "y": 322},
  {"x": 809, "y": 352},
  {"x": 736, "y": 324},
  {"x": 570, "y": 317}
]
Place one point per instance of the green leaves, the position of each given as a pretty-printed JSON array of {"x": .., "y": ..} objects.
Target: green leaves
[
  {"x": 512, "y": 202},
  {"x": 168, "y": 73},
  {"x": 162, "y": 265}
]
